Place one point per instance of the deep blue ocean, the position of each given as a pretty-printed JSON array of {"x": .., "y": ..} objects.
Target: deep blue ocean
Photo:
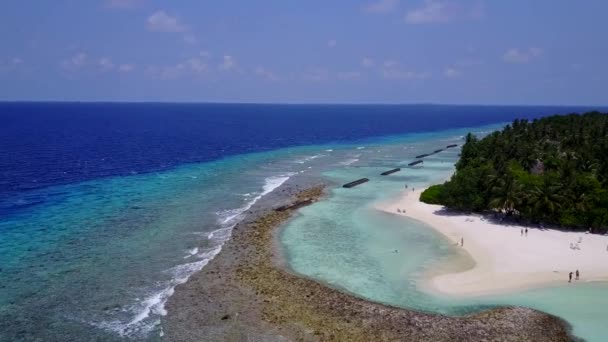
[{"x": 105, "y": 207}]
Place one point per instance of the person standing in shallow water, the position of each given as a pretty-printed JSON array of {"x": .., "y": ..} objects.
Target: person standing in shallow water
[
  {"x": 577, "y": 274},
  {"x": 570, "y": 277}
]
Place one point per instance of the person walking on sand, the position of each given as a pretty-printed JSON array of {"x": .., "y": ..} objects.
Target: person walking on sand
[
  {"x": 522, "y": 232},
  {"x": 526, "y": 231},
  {"x": 570, "y": 277},
  {"x": 462, "y": 242},
  {"x": 577, "y": 274}
]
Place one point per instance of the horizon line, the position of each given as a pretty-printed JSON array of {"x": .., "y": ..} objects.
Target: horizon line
[{"x": 302, "y": 103}]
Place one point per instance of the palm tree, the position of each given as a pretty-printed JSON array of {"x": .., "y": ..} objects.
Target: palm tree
[
  {"x": 506, "y": 194},
  {"x": 546, "y": 199}
]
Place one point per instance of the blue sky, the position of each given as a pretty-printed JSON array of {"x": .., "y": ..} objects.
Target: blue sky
[{"x": 306, "y": 51}]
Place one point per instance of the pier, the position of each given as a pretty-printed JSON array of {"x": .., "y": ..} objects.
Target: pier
[
  {"x": 415, "y": 163},
  {"x": 422, "y": 155},
  {"x": 437, "y": 151},
  {"x": 355, "y": 183},
  {"x": 386, "y": 173},
  {"x": 452, "y": 145}
]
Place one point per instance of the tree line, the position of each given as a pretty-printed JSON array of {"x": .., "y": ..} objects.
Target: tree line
[{"x": 551, "y": 170}]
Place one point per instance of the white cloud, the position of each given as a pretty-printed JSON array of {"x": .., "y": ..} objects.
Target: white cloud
[
  {"x": 106, "y": 64},
  {"x": 125, "y": 68},
  {"x": 515, "y": 55},
  {"x": 167, "y": 72},
  {"x": 393, "y": 70},
  {"x": 441, "y": 11},
  {"x": 381, "y": 6},
  {"x": 398, "y": 74},
  {"x": 123, "y": 4},
  {"x": 390, "y": 64},
  {"x": 265, "y": 73},
  {"x": 190, "y": 67},
  {"x": 75, "y": 62},
  {"x": 452, "y": 73},
  {"x": 197, "y": 65},
  {"x": 163, "y": 22},
  {"x": 349, "y": 75},
  {"x": 432, "y": 12},
  {"x": 228, "y": 63},
  {"x": 332, "y": 43},
  {"x": 81, "y": 62},
  {"x": 10, "y": 64},
  {"x": 368, "y": 62}
]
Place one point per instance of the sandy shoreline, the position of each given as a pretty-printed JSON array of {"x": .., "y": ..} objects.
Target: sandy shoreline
[
  {"x": 247, "y": 294},
  {"x": 504, "y": 260}
]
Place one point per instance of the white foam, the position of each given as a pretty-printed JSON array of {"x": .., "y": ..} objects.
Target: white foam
[
  {"x": 329, "y": 150},
  {"x": 360, "y": 147},
  {"x": 308, "y": 158},
  {"x": 191, "y": 252},
  {"x": 140, "y": 324},
  {"x": 349, "y": 161},
  {"x": 155, "y": 303},
  {"x": 231, "y": 215},
  {"x": 220, "y": 234}
]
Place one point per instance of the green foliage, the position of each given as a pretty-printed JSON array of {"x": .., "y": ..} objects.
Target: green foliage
[
  {"x": 552, "y": 170},
  {"x": 432, "y": 194}
]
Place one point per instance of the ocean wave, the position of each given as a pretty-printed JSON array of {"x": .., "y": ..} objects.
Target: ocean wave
[
  {"x": 154, "y": 304},
  {"x": 229, "y": 216},
  {"x": 191, "y": 252},
  {"x": 360, "y": 147},
  {"x": 145, "y": 312},
  {"x": 220, "y": 234},
  {"x": 308, "y": 158},
  {"x": 349, "y": 161}
]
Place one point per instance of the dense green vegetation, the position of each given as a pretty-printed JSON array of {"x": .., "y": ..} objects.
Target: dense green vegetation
[{"x": 552, "y": 170}]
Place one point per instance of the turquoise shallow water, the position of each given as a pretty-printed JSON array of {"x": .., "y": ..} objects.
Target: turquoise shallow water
[{"x": 345, "y": 242}]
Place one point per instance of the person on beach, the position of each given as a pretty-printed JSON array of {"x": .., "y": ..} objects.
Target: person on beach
[
  {"x": 522, "y": 232},
  {"x": 462, "y": 242},
  {"x": 526, "y": 231},
  {"x": 570, "y": 277},
  {"x": 577, "y": 274}
]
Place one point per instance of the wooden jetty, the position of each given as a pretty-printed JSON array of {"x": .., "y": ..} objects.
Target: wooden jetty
[
  {"x": 450, "y": 146},
  {"x": 422, "y": 156},
  {"x": 355, "y": 183},
  {"x": 437, "y": 151},
  {"x": 415, "y": 163},
  {"x": 386, "y": 173}
]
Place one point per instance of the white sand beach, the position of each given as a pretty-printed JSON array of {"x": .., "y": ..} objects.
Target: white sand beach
[{"x": 506, "y": 261}]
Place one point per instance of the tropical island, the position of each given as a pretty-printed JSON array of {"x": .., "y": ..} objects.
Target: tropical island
[{"x": 549, "y": 171}]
